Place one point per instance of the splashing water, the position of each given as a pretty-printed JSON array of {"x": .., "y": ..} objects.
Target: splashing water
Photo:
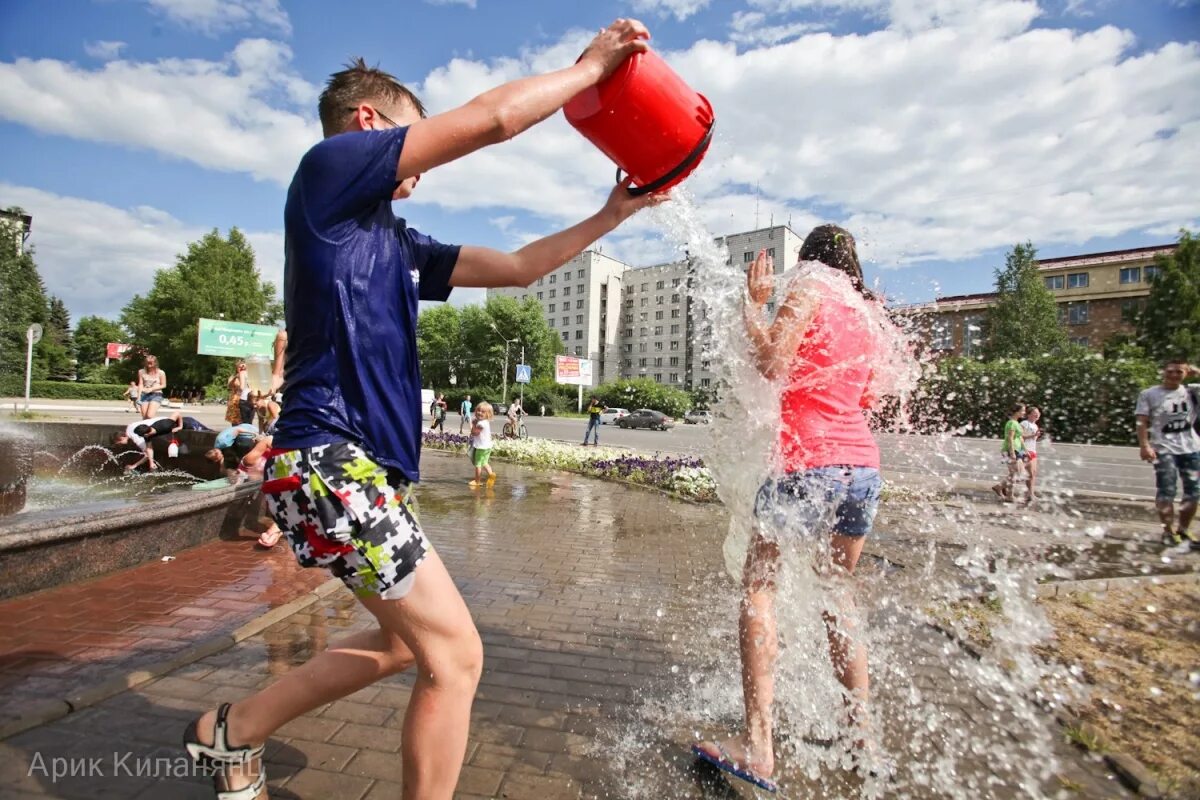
[{"x": 940, "y": 721}]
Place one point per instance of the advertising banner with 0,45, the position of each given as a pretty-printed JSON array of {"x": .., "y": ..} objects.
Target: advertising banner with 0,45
[{"x": 218, "y": 337}]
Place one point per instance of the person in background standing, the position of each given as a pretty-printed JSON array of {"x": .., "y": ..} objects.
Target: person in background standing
[
  {"x": 1166, "y": 430},
  {"x": 1030, "y": 432},
  {"x": 135, "y": 397},
  {"x": 151, "y": 384},
  {"x": 239, "y": 387},
  {"x": 464, "y": 415},
  {"x": 439, "y": 413},
  {"x": 595, "y": 409},
  {"x": 1012, "y": 450}
]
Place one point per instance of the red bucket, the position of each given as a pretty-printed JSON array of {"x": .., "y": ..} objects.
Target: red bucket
[{"x": 647, "y": 120}]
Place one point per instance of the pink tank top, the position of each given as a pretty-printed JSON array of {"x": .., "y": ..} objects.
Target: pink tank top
[{"x": 822, "y": 420}]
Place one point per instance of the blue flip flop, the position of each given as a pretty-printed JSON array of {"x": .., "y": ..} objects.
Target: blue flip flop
[{"x": 726, "y": 764}]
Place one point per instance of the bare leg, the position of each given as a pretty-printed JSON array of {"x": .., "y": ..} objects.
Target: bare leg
[
  {"x": 1166, "y": 514},
  {"x": 1030, "y": 480},
  {"x": 430, "y": 626},
  {"x": 848, "y": 654},
  {"x": 1187, "y": 512},
  {"x": 759, "y": 643},
  {"x": 149, "y": 409}
]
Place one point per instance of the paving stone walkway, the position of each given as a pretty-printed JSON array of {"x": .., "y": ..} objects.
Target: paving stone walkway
[{"x": 607, "y": 622}]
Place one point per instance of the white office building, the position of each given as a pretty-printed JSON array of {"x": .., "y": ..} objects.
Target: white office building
[{"x": 639, "y": 322}]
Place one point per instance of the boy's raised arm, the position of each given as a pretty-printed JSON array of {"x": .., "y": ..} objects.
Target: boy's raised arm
[
  {"x": 507, "y": 110},
  {"x": 486, "y": 268}
]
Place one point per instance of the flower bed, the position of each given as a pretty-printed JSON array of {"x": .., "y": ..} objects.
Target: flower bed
[{"x": 687, "y": 477}]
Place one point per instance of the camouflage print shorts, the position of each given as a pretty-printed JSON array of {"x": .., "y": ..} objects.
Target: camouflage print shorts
[{"x": 342, "y": 511}]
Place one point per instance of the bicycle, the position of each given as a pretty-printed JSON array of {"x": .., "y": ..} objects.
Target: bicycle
[{"x": 521, "y": 431}]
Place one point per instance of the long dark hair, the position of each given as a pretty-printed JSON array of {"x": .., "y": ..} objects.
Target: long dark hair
[{"x": 834, "y": 247}]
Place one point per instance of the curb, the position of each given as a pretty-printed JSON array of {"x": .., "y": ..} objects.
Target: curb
[
  {"x": 51, "y": 710},
  {"x": 1101, "y": 585}
]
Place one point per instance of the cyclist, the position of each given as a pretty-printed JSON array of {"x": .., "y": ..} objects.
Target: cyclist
[{"x": 512, "y": 428}]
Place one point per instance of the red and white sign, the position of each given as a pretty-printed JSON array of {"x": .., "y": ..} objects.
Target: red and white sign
[
  {"x": 116, "y": 350},
  {"x": 573, "y": 370}
]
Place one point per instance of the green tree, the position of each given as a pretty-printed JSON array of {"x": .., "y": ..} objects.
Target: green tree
[
  {"x": 469, "y": 343},
  {"x": 1169, "y": 327},
  {"x": 22, "y": 302},
  {"x": 643, "y": 393},
  {"x": 57, "y": 346},
  {"x": 1024, "y": 320},
  {"x": 216, "y": 276},
  {"x": 92, "y": 335},
  {"x": 440, "y": 345}
]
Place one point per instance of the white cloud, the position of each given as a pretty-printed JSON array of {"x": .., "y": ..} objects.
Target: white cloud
[
  {"x": 680, "y": 9},
  {"x": 216, "y": 16},
  {"x": 96, "y": 256},
  {"x": 103, "y": 49},
  {"x": 754, "y": 28},
  {"x": 237, "y": 115},
  {"x": 941, "y": 136}
]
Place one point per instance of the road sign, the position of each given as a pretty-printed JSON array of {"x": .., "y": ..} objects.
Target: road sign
[
  {"x": 573, "y": 370},
  {"x": 34, "y": 334},
  {"x": 524, "y": 373},
  {"x": 218, "y": 337}
]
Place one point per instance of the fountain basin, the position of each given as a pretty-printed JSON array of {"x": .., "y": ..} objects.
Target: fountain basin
[{"x": 45, "y": 548}]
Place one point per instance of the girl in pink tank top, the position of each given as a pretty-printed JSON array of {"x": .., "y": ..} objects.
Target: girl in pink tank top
[{"x": 820, "y": 350}]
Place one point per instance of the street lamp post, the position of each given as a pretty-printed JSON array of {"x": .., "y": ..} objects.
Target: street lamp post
[{"x": 507, "y": 342}]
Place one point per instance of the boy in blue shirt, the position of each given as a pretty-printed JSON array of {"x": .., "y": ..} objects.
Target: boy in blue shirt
[{"x": 348, "y": 440}]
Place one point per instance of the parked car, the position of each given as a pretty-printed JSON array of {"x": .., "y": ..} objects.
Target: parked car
[
  {"x": 695, "y": 417},
  {"x": 646, "y": 418},
  {"x": 611, "y": 415}
]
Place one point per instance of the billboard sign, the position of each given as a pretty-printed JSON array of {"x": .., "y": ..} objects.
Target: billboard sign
[
  {"x": 115, "y": 350},
  {"x": 573, "y": 370},
  {"x": 218, "y": 337}
]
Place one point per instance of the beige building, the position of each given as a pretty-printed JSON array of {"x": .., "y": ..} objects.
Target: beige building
[{"x": 1098, "y": 295}]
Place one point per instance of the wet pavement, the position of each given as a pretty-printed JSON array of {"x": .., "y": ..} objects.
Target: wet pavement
[
  {"x": 607, "y": 621},
  {"x": 58, "y": 642}
]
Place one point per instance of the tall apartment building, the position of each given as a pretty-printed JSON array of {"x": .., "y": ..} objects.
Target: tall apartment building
[
  {"x": 1098, "y": 295},
  {"x": 640, "y": 322},
  {"x": 581, "y": 301}
]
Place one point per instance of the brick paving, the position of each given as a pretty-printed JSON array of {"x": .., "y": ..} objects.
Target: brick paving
[
  {"x": 57, "y": 642},
  {"x": 593, "y": 603}
]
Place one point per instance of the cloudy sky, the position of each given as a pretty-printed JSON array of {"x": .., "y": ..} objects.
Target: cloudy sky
[{"x": 939, "y": 131}]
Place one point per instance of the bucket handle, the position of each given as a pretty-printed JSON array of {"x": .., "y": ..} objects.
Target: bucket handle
[{"x": 655, "y": 185}]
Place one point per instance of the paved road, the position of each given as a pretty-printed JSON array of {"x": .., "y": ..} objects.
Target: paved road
[{"x": 1064, "y": 467}]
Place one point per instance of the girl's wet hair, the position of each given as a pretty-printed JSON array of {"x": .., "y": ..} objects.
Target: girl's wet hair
[
  {"x": 834, "y": 247},
  {"x": 1015, "y": 407}
]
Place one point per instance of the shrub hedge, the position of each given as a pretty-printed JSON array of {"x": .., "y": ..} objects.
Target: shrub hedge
[
  {"x": 11, "y": 386},
  {"x": 1084, "y": 397}
]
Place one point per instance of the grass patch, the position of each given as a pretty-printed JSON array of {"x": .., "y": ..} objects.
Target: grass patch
[
  {"x": 1136, "y": 649},
  {"x": 25, "y": 416},
  {"x": 970, "y": 618},
  {"x": 1085, "y": 737}
]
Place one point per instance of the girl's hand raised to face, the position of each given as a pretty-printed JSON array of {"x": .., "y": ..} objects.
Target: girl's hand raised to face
[{"x": 760, "y": 278}]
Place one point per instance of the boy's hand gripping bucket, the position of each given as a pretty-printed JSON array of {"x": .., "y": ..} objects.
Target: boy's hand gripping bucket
[{"x": 647, "y": 120}]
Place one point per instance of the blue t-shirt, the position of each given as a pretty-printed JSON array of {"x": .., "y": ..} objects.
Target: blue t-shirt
[
  {"x": 227, "y": 437},
  {"x": 353, "y": 274}
]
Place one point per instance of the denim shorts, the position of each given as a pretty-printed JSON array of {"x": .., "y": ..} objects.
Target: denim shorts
[
  {"x": 151, "y": 397},
  {"x": 1170, "y": 467},
  {"x": 838, "y": 499}
]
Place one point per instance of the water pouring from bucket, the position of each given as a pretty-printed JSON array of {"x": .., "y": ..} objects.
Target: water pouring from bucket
[{"x": 654, "y": 127}]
